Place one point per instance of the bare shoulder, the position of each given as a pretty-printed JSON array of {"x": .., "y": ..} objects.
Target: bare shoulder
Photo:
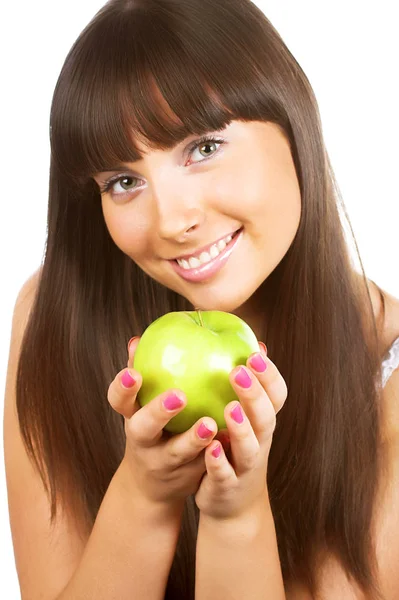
[
  {"x": 389, "y": 335},
  {"x": 45, "y": 555},
  {"x": 390, "y": 305},
  {"x": 24, "y": 301},
  {"x": 391, "y": 319},
  {"x": 22, "y": 309},
  {"x": 29, "y": 287}
]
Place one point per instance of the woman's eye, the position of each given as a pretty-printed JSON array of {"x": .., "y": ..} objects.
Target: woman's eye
[
  {"x": 120, "y": 185},
  {"x": 205, "y": 149},
  {"x": 127, "y": 184}
]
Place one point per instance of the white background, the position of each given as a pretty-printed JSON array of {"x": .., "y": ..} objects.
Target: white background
[{"x": 349, "y": 51}]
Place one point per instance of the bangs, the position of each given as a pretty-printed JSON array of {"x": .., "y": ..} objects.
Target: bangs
[{"x": 150, "y": 77}]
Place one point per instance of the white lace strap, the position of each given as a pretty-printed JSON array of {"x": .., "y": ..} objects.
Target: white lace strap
[{"x": 391, "y": 362}]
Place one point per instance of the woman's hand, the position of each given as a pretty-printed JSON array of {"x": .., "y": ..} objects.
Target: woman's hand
[
  {"x": 163, "y": 469},
  {"x": 234, "y": 486}
]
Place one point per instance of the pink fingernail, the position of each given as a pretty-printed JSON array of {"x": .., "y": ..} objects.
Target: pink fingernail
[
  {"x": 203, "y": 431},
  {"x": 217, "y": 451},
  {"x": 172, "y": 402},
  {"x": 258, "y": 363},
  {"x": 264, "y": 347},
  {"x": 243, "y": 379},
  {"x": 127, "y": 380},
  {"x": 237, "y": 415}
]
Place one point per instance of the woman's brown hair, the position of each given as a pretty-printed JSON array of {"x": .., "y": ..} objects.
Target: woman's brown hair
[{"x": 159, "y": 71}]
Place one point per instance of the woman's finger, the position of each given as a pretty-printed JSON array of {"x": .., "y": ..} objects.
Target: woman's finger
[
  {"x": 270, "y": 378},
  {"x": 185, "y": 447},
  {"x": 255, "y": 401},
  {"x": 244, "y": 444},
  {"x": 218, "y": 467},
  {"x": 122, "y": 392},
  {"x": 146, "y": 425}
]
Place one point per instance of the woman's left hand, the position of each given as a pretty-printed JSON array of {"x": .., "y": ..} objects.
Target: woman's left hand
[{"x": 232, "y": 487}]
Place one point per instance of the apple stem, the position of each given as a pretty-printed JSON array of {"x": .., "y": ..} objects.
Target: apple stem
[{"x": 199, "y": 316}]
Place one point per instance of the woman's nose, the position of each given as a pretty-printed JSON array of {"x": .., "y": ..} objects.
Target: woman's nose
[{"x": 178, "y": 212}]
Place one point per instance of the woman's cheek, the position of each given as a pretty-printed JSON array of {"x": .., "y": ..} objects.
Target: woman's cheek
[{"x": 128, "y": 233}]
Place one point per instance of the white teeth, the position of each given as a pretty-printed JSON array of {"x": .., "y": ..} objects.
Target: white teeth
[
  {"x": 194, "y": 262},
  {"x": 221, "y": 245},
  {"x": 205, "y": 257},
  {"x": 214, "y": 252}
]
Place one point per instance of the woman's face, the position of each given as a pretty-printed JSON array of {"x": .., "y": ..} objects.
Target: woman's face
[{"x": 181, "y": 202}]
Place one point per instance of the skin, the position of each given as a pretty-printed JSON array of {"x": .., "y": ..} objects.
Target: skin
[{"x": 181, "y": 201}]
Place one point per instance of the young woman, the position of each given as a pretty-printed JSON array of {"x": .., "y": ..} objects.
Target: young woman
[{"x": 188, "y": 169}]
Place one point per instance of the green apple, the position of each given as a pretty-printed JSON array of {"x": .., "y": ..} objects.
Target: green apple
[{"x": 193, "y": 351}]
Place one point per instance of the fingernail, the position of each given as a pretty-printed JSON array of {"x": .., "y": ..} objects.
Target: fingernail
[
  {"x": 216, "y": 451},
  {"x": 237, "y": 415},
  {"x": 264, "y": 347},
  {"x": 203, "y": 431},
  {"x": 243, "y": 379},
  {"x": 172, "y": 402},
  {"x": 127, "y": 380},
  {"x": 258, "y": 363},
  {"x": 130, "y": 342}
]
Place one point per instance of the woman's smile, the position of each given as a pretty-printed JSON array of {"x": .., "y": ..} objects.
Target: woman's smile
[{"x": 201, "y": 267}]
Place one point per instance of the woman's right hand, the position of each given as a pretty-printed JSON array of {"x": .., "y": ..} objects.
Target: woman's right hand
[{"x": 163, "y": 468}]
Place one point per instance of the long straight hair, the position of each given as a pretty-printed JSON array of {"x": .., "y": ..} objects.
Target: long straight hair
[{"x": 211, "y": 62}]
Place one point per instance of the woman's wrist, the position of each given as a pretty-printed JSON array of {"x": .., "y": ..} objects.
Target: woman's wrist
[
  {"x": 246, "y": 523},
  {"x": 160, "y": 512},
  {"x": 238, "y": 556}
]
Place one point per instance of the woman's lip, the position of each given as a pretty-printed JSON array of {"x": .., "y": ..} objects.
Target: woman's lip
[
  {"x": 205, "y": 248},
  {"x": 209, "y": 269}
]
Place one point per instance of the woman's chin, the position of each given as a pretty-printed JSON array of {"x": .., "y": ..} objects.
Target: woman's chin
[{"x": 224, "y": 304}]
